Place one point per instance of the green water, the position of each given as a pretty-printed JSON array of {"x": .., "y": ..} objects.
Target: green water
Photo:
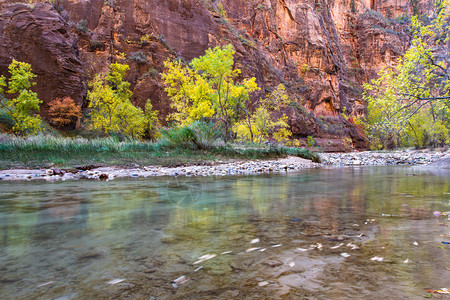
[{"x": 68, "y": 240}]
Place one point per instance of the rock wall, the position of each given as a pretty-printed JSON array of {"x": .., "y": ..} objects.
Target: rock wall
[
  {"x": 39, "y": 35},
  {"x": 321, "y": 50}
]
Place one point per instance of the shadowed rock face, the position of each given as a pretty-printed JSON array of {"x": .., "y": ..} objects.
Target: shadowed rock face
[
  {"x": 322, "y": 51},
  {"x": 38, "y": 35}
]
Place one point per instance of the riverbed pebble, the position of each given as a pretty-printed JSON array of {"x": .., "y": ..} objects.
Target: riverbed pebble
[
  {"x": 372, "y": 158},
  {"x": 290, "y": 164}
]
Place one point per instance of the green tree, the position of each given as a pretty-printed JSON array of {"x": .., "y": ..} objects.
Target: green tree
[
  {"x": 207, "y": 88},
  {"x": 409, "y": 104},
  {"x": 26, "y": 103},
  {"x": 111, "y": 107}
]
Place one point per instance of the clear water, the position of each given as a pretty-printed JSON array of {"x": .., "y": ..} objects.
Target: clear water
[{"x": 68, "y": 240}]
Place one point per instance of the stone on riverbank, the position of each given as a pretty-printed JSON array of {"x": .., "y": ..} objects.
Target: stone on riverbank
[
  {"x": 370, "y": 158},
  {"x": 234, "y": 168}
]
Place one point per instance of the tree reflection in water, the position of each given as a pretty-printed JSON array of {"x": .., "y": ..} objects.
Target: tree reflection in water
[{"x": 80, "y": 235}]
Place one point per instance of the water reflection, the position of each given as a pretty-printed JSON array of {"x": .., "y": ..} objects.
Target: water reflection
[{"x": 79, "y": 235}]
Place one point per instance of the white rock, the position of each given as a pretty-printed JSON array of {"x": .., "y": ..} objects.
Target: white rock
[
  {"x": 263, "y": 283},
  {"x": 115, "y": 281}
]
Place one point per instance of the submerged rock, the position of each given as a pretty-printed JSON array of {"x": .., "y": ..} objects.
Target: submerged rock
[{"x": 443, "y": 163}]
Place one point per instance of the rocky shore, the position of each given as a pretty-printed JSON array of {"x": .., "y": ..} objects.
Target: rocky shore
[
  {"x": 371, "y": 158},
  {"x": 405, "y": 157},
  {"x": 217, "y": 169}
]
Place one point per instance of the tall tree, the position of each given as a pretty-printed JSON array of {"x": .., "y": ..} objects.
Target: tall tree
[
  {"x": 217, "y": 67},
  {"x": 190, "y": 94},
  {"x": 410, "y": 103},
  {"x": 207, "y": 88}
]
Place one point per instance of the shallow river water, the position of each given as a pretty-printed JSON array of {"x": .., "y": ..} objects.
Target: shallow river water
[{"x": 305, "y": 235}]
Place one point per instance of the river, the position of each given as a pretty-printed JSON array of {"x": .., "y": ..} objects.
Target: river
[{"x": 311, "y": 234}]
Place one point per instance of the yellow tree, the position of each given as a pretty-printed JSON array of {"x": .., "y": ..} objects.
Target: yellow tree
[
  {"x": 151, "y": 121},
  {"x": 261, "y": 122},
  {"x": 410, "y": 103},
  {"x": 207, "y": 88},
  {"x": 26, "y": 103},
  {"x": 190, "y": 93},
  {"x": 111, "y": 107},
  {"x": 216, "y": 66}
]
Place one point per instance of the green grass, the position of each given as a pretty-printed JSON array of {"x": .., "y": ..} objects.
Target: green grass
[{"x": 46, "y": 151}]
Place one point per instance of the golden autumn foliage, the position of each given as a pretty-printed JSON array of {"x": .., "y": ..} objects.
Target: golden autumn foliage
[
  {"x": 111, "y": 107},
  {"x": 190, "y": 94},
  {"x": 63, "y": 112},
  {"x": 260, "y": 123},
  {"x": 207, "y": 88},
  {"x": 409, "y": 104}
]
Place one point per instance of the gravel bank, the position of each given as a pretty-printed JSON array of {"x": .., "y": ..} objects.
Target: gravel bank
[
  {"x": 235, "y": 168},
  {"x": 370, "y": 158}
]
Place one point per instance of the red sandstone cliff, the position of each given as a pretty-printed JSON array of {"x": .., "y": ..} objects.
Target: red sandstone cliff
[{"x": 321, "y": 50}]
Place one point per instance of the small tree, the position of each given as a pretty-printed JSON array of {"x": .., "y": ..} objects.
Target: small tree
[
  {"x": 151, "y": 121},
  {"x": 63, "y": 112},
  {"x": 26, "y": 103},
  {"x": 111, "y": 107},
  {"x": 261, "y": 122}
]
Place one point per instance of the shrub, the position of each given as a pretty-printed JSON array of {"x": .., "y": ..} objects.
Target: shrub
[
  {"x": 110, "y": 3},
  {"x": 151, "y": 120},
  {"x": 197, "y": 135},
  {"x": 207, "y": 133},
  {"x": 310, "y": 141},
  {"x": 6, "y": 121},
  {"x": 179, "y": 137},
  {"x": 95, "y": 45},
  {"x": 138, "y": 57},
  {"x": 82, "y": 26},
  {"x": 353, "y": 6},
  {"x": 63, "y": 112},
  {"x": 144, "y": 39},
  {"x": 221, "y": 11}
]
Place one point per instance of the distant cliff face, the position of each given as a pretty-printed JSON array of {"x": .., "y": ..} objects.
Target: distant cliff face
[{"x": 321, "y": 50}]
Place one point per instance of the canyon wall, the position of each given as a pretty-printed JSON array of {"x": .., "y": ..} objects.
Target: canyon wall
[{"x": 322, "y": 51}]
